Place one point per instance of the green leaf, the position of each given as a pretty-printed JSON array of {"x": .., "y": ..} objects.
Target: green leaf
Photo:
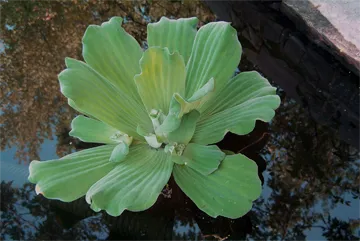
[
  {"x": 120, "y": 152},
  {"x": 114, "y": 54},
  {"x": 204, "y": 159},
  {"x": 215, "y": 54},
  {"x": 141, "y": 131},
  {"x": 172, "y": 121},
  {"x": 152, "y": 140},
  {"x": 134, "y": 184},
  {"x": 248, "y": 97},
  {"x": 95, "y": 95},
  {"x": 70, "y": 177},
  {"x": 179, "y": 159},
  {"x": 197, "y": 100},
  {"x": 72, "y": 104},
  {"x": 239, "y": 119},
  {"x": 227, "y": 152},
  {"x": 162, "y": 75},
  {"x": 177, "y": 35},
  {"x": 94, "y": 131},
  {"x": 185, "y": 131},
  {"x": 228, "y": 192},
  {"x": 179, "y": 107},
  {"x": 243, "y": 87}
]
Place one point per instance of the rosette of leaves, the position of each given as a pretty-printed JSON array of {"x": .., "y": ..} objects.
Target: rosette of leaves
[{"x": 158, "y": 113}]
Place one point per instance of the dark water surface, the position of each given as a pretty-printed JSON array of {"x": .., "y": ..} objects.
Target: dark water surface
[{"x": 310, "y": 177}]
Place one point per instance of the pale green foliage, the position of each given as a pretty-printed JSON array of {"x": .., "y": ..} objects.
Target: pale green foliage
[{"x": 157, "y": 111}]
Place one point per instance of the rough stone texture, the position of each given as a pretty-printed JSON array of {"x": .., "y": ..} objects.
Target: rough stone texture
[
  {"x": 334, "y": 24},
  {"x": 309, "y": 69}
]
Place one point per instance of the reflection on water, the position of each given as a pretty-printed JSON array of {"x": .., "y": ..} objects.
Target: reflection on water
[
  {"x": 310, "y": 178},
  {"x": 37, "y": 36}
]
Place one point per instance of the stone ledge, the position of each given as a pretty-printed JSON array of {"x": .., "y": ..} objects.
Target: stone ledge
[{"x": 333, "y": 25}]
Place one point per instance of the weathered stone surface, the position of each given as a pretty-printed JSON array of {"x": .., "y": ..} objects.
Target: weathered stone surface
[
  {"x": 354, "y": 105},
  {"x": 334, "y": 24},
  {"x": 294, "y": 49},
  {"x": 277, "y": 69},
  {"x": 317, "y": 68},
  {"x": 272, "y": 32}
]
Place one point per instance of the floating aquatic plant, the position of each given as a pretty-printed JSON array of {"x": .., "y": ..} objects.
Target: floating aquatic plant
[{"x": 158, "y": 112}]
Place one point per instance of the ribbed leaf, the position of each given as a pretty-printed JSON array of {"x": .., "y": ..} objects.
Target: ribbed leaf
[
  {"x": 177, "y": 35},
  {"x": 114, "y": 54},
  {"x": 173, "y": 119},
  {"x": 72, "y": 104},
  {"x": 152, "y": 140},
  {"x": 90, "y": 130},
  {"x": 215, "y": 54},
  {"x": 196, "y": 101},
  {"x": 239, "y": 119},
  {"x": 162, "y": 74},
  {"x": 204, "y": 159},
  {"x": 70, "y": 177},
  {"x": 241, "y": 88},
  {"x": 246, "y": 98},
  {"x": 185, "y": 131},
  {"x": 95, "y": 95},
  {"x": 120, "y": 152},
  {"x": 228, "y": 192},
  {"x": 134, "y": 184},
  {"x": 179, "y": 107},
  {"x": 179, "y": 159}
]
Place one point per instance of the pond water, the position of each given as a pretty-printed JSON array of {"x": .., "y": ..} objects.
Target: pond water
[{"x": 310, "y": 176}]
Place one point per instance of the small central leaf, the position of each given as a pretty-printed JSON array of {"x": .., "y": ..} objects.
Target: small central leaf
[
  {"x": 119, "y": 153},
  {"x": 186, "y": 130},
  {"x": 153, "y": 141},
  {"x": 196, "y": 101}
]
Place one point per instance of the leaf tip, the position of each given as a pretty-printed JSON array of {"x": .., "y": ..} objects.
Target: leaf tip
[
  {"x": 32, "y": 167},
  {"x": 38, "y": 190}
]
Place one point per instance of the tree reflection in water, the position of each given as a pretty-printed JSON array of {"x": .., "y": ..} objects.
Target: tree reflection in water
[
  {"x": 310, "y": 175},
  {"x": 37, "y": 36}
]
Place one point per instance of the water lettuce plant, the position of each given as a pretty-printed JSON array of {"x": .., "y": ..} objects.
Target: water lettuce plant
[{"x": 158, "y": 113}]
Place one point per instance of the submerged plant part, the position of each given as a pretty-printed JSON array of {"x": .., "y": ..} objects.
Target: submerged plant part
[{"x": 158, "y": 111}]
